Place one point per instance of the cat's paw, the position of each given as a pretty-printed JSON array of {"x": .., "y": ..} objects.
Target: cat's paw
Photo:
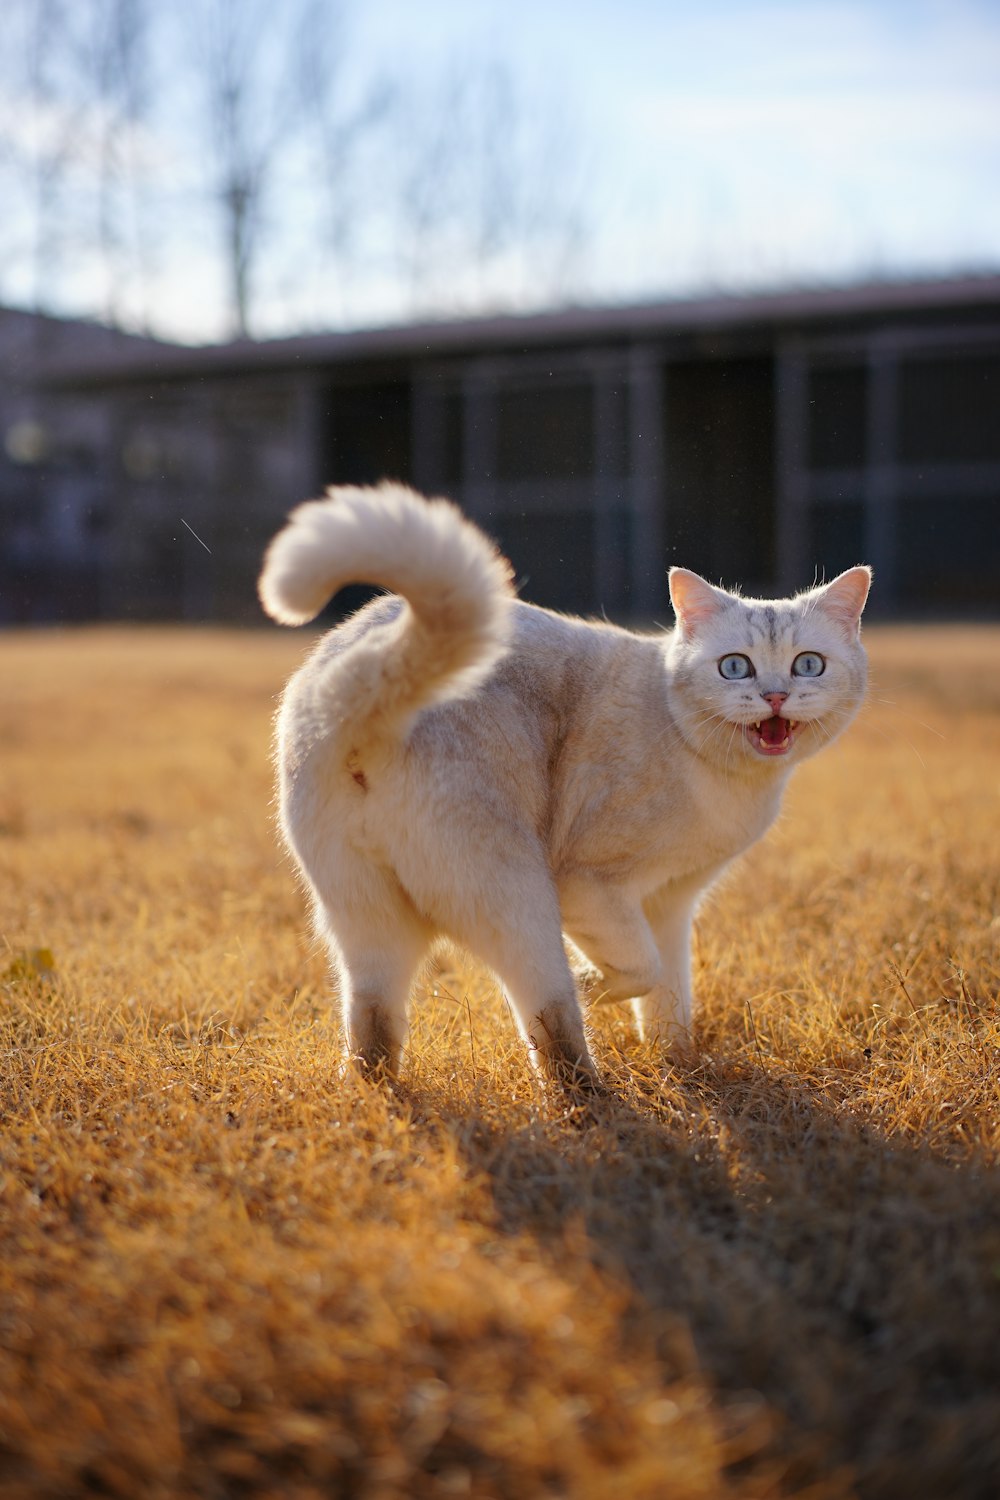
[
  {"x": 678, "y": 1059},
  {"x": 574, "y": 1077},
  {"x": 374, "y": 1068},
  {"x": 614, "y": 986}
]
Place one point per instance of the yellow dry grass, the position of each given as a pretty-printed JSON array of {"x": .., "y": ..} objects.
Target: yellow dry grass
[{"x": 227, "y": 1272}]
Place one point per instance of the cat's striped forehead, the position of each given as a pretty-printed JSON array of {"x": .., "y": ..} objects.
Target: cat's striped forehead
[{"x": 765, "y": 623}]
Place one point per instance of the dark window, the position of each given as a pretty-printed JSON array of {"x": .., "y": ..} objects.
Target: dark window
[
  {"x": 719, "y": 468},
  {"x": 837, "y": 417},
  {"x": 368, "y": 434},
  {"x": 552, "y": 555},
  {"x": 836, "y": 538},
  {"x": 948, "y": 552},
  {"x": 949, "y": 410},
  {"x": 546, "y": 432},
  {"x": 614, "y": 457},
  {"x": 614, "y": 562},
  {"x": 452, "y": 438}
]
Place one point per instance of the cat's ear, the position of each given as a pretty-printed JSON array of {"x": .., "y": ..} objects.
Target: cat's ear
[
  {"x": 844, "y": 596},
  {"x": 695, "y": 600}
]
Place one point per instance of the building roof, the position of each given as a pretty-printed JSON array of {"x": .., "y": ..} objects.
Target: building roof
[
  {"x": 127, "y": 359},
  {"x": 33, "y": 343}
]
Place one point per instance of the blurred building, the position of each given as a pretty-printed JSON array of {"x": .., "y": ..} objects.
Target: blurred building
[
  {"x": 59, "y": 469},
  {"x": 761, "y": 440}
]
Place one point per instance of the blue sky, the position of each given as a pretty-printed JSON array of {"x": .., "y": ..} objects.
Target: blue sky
[
  {"x": 713, "y": 145},
  {"x": 737, "y": 143}
]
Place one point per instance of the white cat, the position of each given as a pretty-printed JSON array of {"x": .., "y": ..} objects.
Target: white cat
[{"x": 455, "y": 763}]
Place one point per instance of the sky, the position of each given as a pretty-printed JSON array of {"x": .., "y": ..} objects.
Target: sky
[
  {"x": 719, "y": 145},
  {"x": 737, "y": 143}
]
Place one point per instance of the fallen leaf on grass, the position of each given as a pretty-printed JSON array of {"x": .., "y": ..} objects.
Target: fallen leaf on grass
[{"x": 30, "y": 963}]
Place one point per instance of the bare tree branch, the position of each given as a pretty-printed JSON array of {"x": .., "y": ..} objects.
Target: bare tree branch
[
  {"x": 301, "y": 179},
  {"x": 489, "y": 207}
]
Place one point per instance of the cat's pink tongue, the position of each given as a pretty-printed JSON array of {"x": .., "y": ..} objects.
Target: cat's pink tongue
[{"x": 773, "y": 731}]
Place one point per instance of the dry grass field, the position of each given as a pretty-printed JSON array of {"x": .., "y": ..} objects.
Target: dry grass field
[{"x": 225, "y": 1271}]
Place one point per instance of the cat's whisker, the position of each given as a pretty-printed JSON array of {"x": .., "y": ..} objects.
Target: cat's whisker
[
  {"x": 716, "y": 725},
  {"x": 870, "y": 723},
  {"x": 888, "y": 703},
  {"x": 734, "y": 731},
  {"x": 825, "y": 734},
  {"x": 717, "y": 731}
]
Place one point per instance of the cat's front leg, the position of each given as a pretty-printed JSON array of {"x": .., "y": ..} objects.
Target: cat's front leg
[
  {"x": 664, "y": 1012},
  {"x": 642, "y": 950},
  {"x": 607, "y": 923},
  {"x": 663, "y": 1016}
]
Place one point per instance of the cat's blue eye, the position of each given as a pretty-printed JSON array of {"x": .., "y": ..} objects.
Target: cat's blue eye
[
  {"x": 735, "y": 666},
  {"x": 808, "y": 664}
]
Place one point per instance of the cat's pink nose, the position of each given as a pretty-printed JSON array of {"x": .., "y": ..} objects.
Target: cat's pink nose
[{"x": 774, "y": 700}]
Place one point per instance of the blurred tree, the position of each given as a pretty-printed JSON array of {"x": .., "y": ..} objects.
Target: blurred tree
[
  {"x": 116, "y": 60},
  {"x": 253, "y": 113},
  {"x": 75, "y": 85},
  {"x": 489, "y": 207},
  {"x": 340, "y": 135},
  {"x": 147, "y": 150}
]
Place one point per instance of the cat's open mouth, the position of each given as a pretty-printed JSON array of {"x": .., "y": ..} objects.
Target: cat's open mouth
[{"x": 772, "y": 736}]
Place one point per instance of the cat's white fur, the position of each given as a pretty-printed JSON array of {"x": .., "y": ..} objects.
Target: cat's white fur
[{"x": 455, "y": 763}]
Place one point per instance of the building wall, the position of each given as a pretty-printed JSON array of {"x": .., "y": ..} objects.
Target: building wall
[
  {"x": 763, "y": 457},
  {"x": 150, "y": 502},
  {"x": 889, "y": 452}
]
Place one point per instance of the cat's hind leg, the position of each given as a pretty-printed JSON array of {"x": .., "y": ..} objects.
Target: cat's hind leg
[
  {"x": 522, "y": 942},
  {"x": 376, "y": 948}
]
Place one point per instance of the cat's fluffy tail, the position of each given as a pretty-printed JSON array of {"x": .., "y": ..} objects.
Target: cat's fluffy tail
[{"x": 457, "y": 588}]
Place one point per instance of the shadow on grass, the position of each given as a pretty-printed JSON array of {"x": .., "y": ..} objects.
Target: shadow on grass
[{"x": 843, "y": 1279}]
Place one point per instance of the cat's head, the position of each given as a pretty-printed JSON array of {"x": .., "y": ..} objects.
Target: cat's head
[{"x": 766, "y": 682}]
